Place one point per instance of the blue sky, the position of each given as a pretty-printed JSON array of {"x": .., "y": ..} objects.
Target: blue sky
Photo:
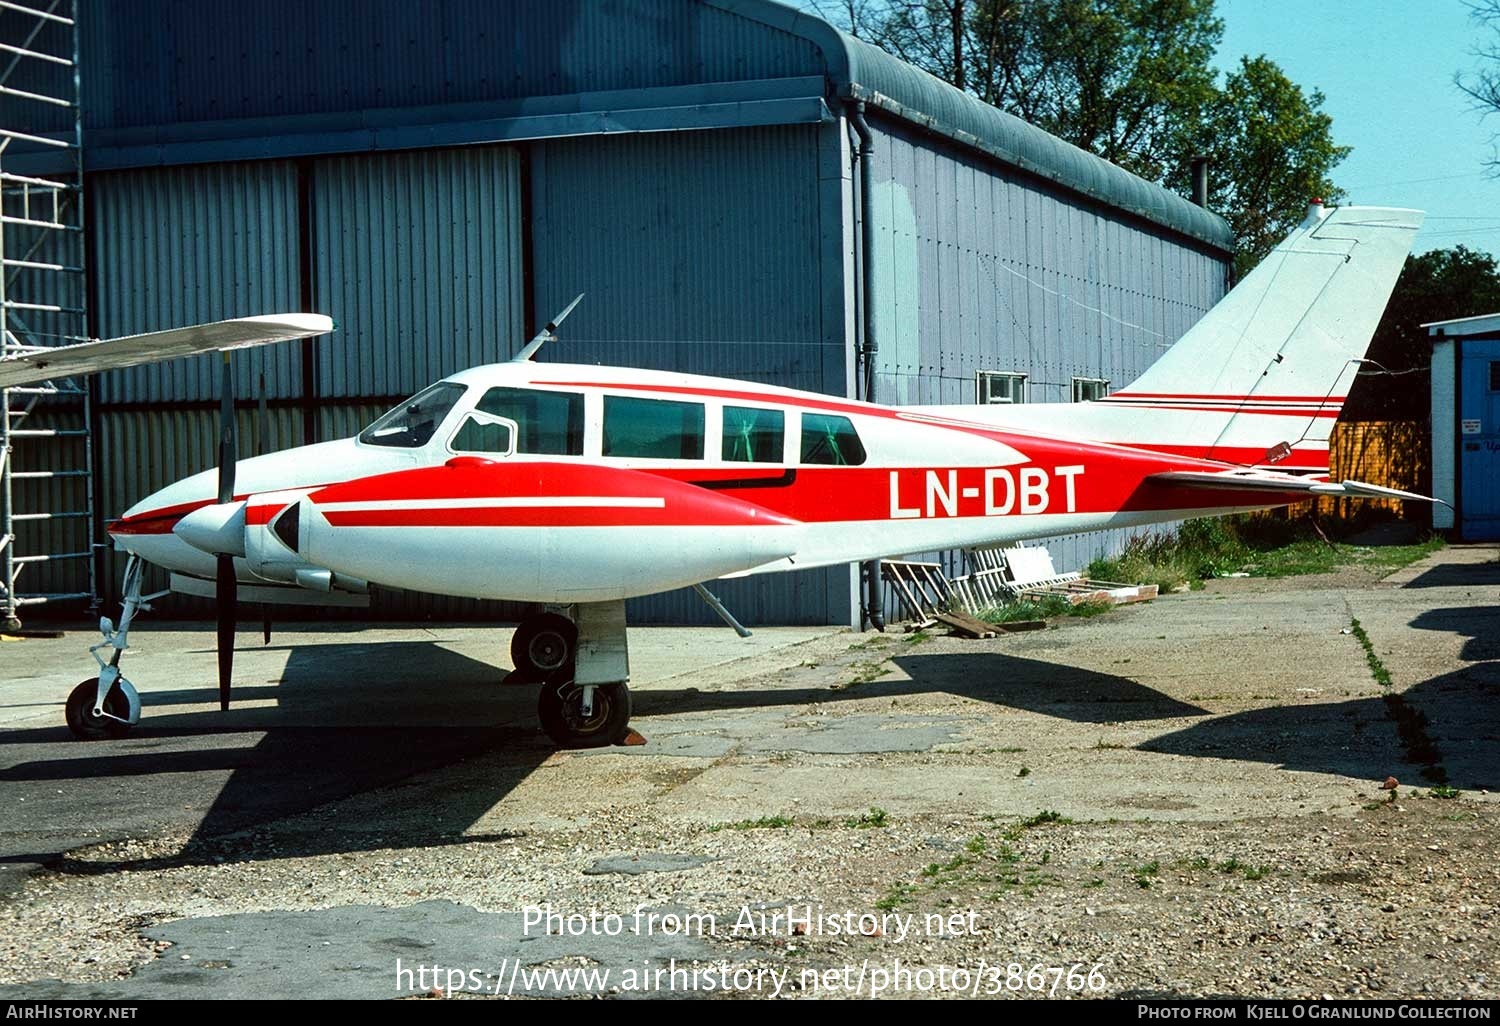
[{"x": 1386, "y": 70}]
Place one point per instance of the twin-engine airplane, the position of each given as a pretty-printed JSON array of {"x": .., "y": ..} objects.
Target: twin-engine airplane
[{"x": 578, "y": 487}]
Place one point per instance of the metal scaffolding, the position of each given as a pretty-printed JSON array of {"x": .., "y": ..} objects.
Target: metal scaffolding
[{"x": 46, "y": 445}]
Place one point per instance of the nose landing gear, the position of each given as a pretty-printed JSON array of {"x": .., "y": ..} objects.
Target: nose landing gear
[{"x": 107, "y": 706}]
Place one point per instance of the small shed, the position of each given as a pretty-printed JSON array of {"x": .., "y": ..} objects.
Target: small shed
[{"x": 1466, "y": 426}]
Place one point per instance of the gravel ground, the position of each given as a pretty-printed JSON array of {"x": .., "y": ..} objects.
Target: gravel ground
[{"x": 1065, "y": 823}]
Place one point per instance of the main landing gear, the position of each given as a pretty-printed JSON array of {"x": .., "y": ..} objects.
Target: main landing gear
[{"x": 579, "y": 655}]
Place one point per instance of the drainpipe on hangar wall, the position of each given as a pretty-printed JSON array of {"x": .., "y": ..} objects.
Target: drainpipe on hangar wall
[{"x": 874, "y": 601}]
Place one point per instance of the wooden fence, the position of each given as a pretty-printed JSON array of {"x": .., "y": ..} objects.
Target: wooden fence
[{"x": 1394, "y": 453}]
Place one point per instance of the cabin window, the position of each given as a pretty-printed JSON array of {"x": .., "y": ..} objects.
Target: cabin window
[
  {"x": 1087, "y": 390},
  {"x": 1495, "y": 375},
  {"x": 1000, "y": 387},
  {"x": 830, "y": 441},
  {"x": 652, "y": 428},
  {"x": 753, "y": 436},
  {"x": 550, "y": 423},
  {"x": 412, "y": 424},
  {"x": 480, "y": 433}
]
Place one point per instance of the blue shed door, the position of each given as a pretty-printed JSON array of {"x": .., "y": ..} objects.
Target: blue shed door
[{"x": 1479, "y": 441}]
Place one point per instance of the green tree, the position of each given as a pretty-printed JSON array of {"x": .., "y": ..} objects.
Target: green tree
[
  {"x": 1438, "y": 285},
  {"x": 1271, "y": 150}
]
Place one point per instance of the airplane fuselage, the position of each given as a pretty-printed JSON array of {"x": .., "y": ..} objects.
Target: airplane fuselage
[{"x": 566, "y": 483}]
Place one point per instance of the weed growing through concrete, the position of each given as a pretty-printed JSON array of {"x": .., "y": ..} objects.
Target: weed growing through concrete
[
  {"x": 1377, "y": 668},
  {"x": 763, "y": 823},
  {"x": 1144, "y": 874},
  {"x": 876, "y": 817}
]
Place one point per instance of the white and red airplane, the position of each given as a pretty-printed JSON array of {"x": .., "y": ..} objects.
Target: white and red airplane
[{"x": 578, "y": 487}]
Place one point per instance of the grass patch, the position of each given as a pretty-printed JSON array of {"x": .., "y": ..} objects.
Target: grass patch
[
  {"x": 1043, "y": 607},
  {"x": 1261, "y": 546},
  {"x": 1043, "y": 818},
  {"x": 895, "y": 896},
  {"x": 874, "y": 819},
  {"x": 1248, "y": 871},
  {"x": 864, "y": 673},
  {"x": 1446, "y": 793},
  {"x": 1145, "y": 873},
  {"x": 764, "y": 823},
  {"x": 1024, "y": 771}
]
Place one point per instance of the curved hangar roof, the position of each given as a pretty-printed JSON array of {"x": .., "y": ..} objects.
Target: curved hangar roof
[
  {"x": 450, "y": 73},
  {"x": 857, "y": 70}
]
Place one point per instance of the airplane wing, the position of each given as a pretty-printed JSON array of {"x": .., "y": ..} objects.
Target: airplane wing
[
  {"x": 1262, "y": 481},
  {"x": 33, "y": 366}
]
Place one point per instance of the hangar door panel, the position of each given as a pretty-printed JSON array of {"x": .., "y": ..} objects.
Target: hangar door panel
[
  {"x": 176, "y": 246},
  {"x": 418, "y": 261}
]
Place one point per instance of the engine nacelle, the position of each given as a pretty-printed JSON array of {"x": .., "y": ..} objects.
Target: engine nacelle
[
  {"x": 244, "y": 529},
  {"x": 533, "y": 531}
]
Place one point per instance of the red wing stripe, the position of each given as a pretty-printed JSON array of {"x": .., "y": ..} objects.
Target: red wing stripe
[
  {"x": 1241, "y": 455},
  {"x": 1258, "y": 411},
  {"x": 1230, "y": 398}
]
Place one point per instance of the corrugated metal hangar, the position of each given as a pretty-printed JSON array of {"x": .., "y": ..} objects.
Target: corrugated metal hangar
[{"x": 441, "y": 177}]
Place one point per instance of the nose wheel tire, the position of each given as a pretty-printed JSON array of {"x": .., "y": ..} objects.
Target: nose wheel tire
[
  {"x": 544, "y": 644},
  {"x": 82, "y": 721},
  {"x": 560, "y": 708}
]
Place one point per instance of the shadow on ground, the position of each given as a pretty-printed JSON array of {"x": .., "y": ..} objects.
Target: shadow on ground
[
  {"x": 1458, "y": 575},
  {"x": 1358, "y": 738}
]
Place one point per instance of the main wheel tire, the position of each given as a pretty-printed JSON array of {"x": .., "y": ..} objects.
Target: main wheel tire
[
  {"x": 82, "y": 721},
  {"x": 560, "y": 708},
  {"x": 544, "y": 644}
]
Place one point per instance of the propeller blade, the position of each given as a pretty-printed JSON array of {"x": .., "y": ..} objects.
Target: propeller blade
[
  {"x": 226, "y": 587},
  {"x": 226, "y": 595},
  {"x": 228, "y": 436}
]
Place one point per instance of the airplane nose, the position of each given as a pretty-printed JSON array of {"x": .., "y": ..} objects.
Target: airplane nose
[{"x": 218, "y": 530}]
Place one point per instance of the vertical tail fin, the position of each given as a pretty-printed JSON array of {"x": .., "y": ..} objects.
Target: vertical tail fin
[{"x": 1278, "y": 354}]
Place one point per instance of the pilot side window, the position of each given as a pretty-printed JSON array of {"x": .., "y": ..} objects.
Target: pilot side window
[
  {"x": 652, "y": 428},
  {"x": 831, "y": 441},
  {"x": 412, "y": 424},
  {"x": 753, "y": 436},
  {"x": 551, "y": 423}
]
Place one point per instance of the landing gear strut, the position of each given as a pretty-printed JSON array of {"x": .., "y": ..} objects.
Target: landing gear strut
[
  {"x": 107, "y": 706},
  {"x": 583, "y": 664}
]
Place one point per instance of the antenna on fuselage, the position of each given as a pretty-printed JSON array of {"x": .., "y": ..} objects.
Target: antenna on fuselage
[{"x": 549, "y": 333}]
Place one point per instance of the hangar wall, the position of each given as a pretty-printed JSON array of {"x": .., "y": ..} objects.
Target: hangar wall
[
  {"x": 442, "y": 177},
  {"x": 980, "y": 267},
  {"x": 703, "y": 253},
  {"x": 416, "y": 256}
]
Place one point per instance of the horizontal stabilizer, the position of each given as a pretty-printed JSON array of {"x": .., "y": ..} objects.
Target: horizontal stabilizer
[
  {"x": 31, "y": 367},
  {"x": 1262, "y": 481}
]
